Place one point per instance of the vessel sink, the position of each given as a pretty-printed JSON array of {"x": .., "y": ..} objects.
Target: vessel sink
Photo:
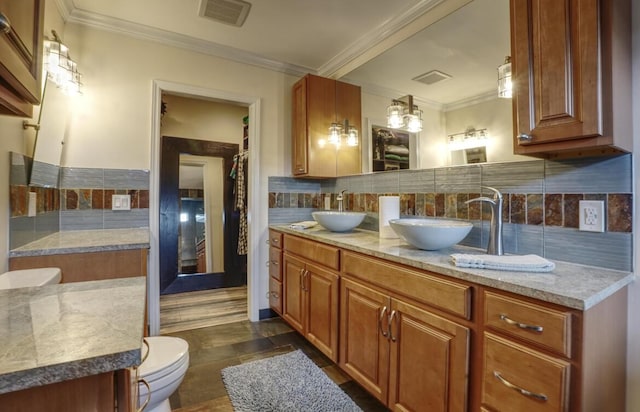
[
  {"x": 431, "y": 234},
  {"x": 338, "y": 221}
]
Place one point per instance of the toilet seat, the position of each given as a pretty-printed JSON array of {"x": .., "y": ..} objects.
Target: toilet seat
[{"x": 166, "y": 354}]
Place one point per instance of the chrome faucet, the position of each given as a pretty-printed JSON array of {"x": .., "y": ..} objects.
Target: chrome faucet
[
  {"x": 340, "y": 199},
  {"x": 495, "y": 246}
]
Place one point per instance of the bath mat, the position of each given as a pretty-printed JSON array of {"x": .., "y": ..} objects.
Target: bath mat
[{"x": 284, "y": 383}]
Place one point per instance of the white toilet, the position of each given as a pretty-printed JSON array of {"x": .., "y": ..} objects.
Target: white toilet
[
  {"x": 25, "y": 278},
  {"x": 163, "y": 370}
]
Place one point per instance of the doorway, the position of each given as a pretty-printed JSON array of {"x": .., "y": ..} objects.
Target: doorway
[
  {"x": 255, "y": 219},
  {"x": 179, "y": 226}
]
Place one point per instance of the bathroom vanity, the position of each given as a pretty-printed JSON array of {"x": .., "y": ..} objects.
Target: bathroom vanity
[
  {"x": 421, "y": 334},
  {"x": 110, "y": 253},
  {"x": 72, "y": 347}
]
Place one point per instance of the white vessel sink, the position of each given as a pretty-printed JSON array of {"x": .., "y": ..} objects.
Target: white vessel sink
[
  {"x": 29, "y": 277},
  {"x": 431, "y": 234},
  {"x": 338, "y": 221}
]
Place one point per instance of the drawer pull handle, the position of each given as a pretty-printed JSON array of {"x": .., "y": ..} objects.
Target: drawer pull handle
[
  {"x": 146, "y": 402},
  {"x": 274, "y": 262},
  {"x": 5, "y": 24},
  {"x": 525, "y": 137},
  {"x": 390, "y": 325},
  {"x": 146, "y": 355},
  {"x": 533, "y": 328},
  {"x": 538, "y": 396},
  {"x": 275, "y": 240},
  {"x": 382, "y": 313}
]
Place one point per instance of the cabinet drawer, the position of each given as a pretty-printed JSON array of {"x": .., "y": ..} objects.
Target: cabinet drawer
[
  {"x": 516, "y": 378},
  {"x": 275, "y": 239},
  {"x": 326, "y": 255},
  {"x": 275, "y": 295},
  {"x": 449, "y": 296},
  {"x": 275, "y": 263},
  {"x": 550, "y": 328}
]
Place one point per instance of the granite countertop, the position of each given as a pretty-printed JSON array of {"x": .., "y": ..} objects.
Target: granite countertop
[
  {"x": 572, "y": 285},
  {"x": 84, "y": 241},
  {"x": 70, "y": 330}
]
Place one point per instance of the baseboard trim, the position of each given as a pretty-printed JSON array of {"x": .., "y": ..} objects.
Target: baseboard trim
[{"x": 267, "y": 314}]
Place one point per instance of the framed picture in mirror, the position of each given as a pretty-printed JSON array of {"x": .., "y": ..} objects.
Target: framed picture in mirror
[
  {"x": 390, "y": 149},
  {"x": 476, "y": 155}
]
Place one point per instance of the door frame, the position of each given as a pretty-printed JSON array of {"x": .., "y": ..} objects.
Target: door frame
[{"x": 253, "y": 204}]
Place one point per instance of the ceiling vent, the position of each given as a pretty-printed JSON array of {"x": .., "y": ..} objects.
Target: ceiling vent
[
  {"x": 434, "y": 76},
  {"x": 232, "y": 12}
]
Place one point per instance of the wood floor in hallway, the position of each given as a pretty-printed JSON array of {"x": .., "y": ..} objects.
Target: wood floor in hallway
[{"x": 201, "y": 309}]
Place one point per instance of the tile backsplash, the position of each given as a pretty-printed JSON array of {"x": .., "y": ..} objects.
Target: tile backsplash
[
  {"x": 541, "y": 198},
  {"x": 81, "y": 201}
]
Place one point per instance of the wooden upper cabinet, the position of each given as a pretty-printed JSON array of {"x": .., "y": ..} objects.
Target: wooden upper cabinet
[
  {"x": 21, "y": 23},
  {"x": 316, "y": 103},
  {"x": 571, "y": 65}
]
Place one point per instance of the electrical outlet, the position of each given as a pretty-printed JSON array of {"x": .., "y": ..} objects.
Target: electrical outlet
[
  {"x": 120, "y": 202},
  {"x": 592, "y": 215}
]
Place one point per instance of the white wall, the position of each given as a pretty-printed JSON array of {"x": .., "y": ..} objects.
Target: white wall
[
  {"x": 203, "y": 119},
  {"x": 494, "y": 115}
]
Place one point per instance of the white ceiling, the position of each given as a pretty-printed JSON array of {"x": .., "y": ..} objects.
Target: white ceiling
[{"x": 332, "y": 38}]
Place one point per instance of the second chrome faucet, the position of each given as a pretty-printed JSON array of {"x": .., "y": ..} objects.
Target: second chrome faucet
[{"x": 495, "y": 246}]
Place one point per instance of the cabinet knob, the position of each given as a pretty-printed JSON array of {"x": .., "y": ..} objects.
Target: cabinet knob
[
  {"x": 524, "y": 137},
  {"x": 5, "y": 24}
]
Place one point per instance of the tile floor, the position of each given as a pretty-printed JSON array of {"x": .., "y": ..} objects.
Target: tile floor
[{"x": 213, "y": 348}]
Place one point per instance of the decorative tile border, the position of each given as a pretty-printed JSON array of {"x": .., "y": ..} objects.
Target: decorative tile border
[{"x": 557, "y": 209}]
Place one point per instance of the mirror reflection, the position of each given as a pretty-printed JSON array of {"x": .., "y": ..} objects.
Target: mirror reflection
[
  {"x": 450, "y": 67},
  {"x": 54, "y": 119},
  {"x": 201, "y": 238}
]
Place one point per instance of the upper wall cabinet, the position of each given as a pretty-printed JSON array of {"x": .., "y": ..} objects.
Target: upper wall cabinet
[
  {"x": 571, "y": 63},
  {"x": 21, "y": 23},
  {"x": 317, "y": 103}
]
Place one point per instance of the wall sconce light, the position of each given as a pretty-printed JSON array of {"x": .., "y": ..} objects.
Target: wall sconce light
[
  {"x": 468, "y": 139},
  {"x": 505, "y": 88},
  {"x": 404, "y": 115},
  {"x": 339, "y": 132},
  {"x": 59, "y": 67}
]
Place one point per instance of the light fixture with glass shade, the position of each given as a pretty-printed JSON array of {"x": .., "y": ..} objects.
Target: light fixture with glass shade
[
  {"x": 339, "y": 132},
  {"x": 468, "y": 139},
  {"x": 402, "y": 114},
  {"x": 505, "y": 88},
  {"x": 60, "y": 68}
]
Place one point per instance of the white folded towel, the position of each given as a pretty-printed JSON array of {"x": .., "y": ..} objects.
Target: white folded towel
[
  {"x": 307, "y": 224},
  {"x": 515, "y": 263}
]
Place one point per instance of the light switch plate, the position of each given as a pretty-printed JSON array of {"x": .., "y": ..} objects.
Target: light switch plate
[
  {"x": 592, "y": 215},
  {"x": 120, "y": 202},
  {"x": 33, "y": 201}
]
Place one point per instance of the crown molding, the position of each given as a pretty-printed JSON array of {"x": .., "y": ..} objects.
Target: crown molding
[
  {"x": 65, "y": 7},
  {"x": 165, "y": 37},
  {"x": 470, "y": 101},
  {"x": 373, "y": 38}
]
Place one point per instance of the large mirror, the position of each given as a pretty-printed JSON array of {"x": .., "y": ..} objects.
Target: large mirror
[
  {"x": 54, "y": 119},
  {"x": 457, "y": 57}
]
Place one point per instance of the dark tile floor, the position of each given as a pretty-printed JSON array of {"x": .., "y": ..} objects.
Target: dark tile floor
[{"x": 214, "y": 348}]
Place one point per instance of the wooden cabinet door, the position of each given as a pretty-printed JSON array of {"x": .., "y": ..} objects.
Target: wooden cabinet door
[
  {"x": 299, "y": 128},
  {"x": 20, "y": 56},
  {"x": 428, "y": 361},
  {"x": 321, "y": 287},
  {"x": 364, "y": 347},
  {"x": 556, "y": 69},
  {"x": 293, "y": 299}
]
